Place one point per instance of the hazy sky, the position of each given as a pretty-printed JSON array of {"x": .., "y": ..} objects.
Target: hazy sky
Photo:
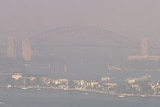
[{"x": 114, "y": 15}]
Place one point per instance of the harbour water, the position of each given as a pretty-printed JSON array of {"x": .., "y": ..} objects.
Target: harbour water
[
  {"x": 59, "y": 98},
  {"x": 88, "y": 70}
]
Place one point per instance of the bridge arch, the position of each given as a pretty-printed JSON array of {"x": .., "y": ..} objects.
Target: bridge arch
[{"x": 81, "y": 36}]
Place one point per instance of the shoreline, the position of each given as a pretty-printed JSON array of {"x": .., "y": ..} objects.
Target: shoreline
[{"x": 86, "y": 91}]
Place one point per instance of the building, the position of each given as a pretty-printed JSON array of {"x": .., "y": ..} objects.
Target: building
[
  {"x": 26, "y": 50},
  {"x": 17, "y": 76}
]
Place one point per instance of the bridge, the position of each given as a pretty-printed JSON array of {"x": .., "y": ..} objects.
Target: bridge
[{"x": 81, "y": 36}]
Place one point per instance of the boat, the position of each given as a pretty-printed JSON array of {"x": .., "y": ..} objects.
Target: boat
[
  {"x": 24, "y": 88},
  {"x": 121, "y": 96},
  {"x": 86, "y": 93}
]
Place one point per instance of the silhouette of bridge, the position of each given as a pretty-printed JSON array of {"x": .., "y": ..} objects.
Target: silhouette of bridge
[{"x": 81, "y": 36}]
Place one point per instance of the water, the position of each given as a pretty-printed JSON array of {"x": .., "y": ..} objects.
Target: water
[
  {"x": 88, "y": 70},
  {"x": 58, "y": 98}
]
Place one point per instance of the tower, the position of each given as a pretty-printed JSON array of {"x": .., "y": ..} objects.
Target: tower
[
  {"x": 26, "y": 50},
  {"x": 11, "y": 51},
  {"x": 145, "y": 47}
]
